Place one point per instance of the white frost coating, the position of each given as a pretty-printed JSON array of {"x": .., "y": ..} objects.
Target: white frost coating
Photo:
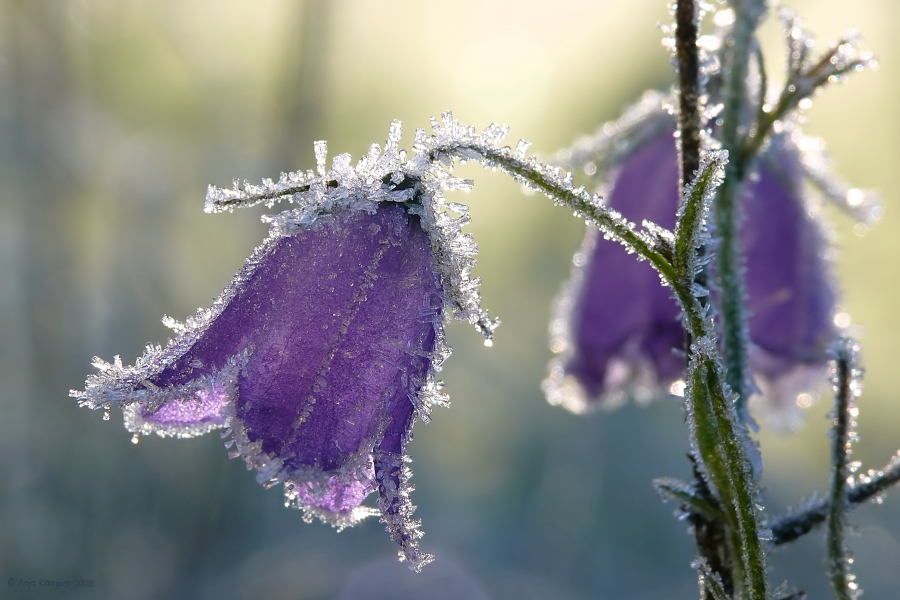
[
  {"x": 452, "y": 140},
  {"x": 698, "y": 237},
  {"x": 387, "y": 176},
  {"x": 398, "y": 521}
]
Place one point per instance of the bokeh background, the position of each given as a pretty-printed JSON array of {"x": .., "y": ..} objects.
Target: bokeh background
[{"x": 116, "y": 114}]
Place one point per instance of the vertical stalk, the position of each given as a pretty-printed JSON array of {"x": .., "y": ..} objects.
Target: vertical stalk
[
  {"x": 688, "y": 63},
  {"x": 710, "y": 535},
  {"x": 842, "y": 581},
  {"x": 747, "y": 14},
  {"x": 714, "y": 422}
]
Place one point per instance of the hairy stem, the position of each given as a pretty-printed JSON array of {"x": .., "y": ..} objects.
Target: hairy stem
[
  {"x": 688, "y": 88},
  {"x": 727, "y": 210},
  {"x": 841, "y": 580},
  {"x": 710, "y": 534}
]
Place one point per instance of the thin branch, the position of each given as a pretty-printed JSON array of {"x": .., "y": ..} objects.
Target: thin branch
[{"x": 790, "y": 527}]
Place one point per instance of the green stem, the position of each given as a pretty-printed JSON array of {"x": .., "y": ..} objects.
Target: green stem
[
  {"x": 724, "y": 454},
  {"x": 583, "y": 204},
  {"x": 725, "y": 458},
  {"x": 744, "y": 491},
  {"x": 727, "y": 211}
]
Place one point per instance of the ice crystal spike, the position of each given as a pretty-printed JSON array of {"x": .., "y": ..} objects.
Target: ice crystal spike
[
  {"x": 616, "y": 331},
  {"x": 322, "y": 352}
]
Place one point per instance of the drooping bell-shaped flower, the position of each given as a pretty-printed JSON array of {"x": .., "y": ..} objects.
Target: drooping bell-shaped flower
[
  {"x": 322, "y": 352},
  {"x": 617, "y": 333}
]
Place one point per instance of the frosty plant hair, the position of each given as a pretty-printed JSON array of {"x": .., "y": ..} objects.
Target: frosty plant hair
[{"x": 324, "y": 350}]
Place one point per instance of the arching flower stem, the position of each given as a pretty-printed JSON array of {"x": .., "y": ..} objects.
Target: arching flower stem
[
  {"x": 545, "y": 179},
  {"x": 720, "y": 440}
]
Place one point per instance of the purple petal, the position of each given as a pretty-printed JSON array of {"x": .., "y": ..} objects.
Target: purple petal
[
  {"x": 209, "y": 409},
  {"x": 393, "y": 477},
  {"x": 617, "y": 328},
  {"x": 316, "y": 358},
  {"x": 790, "y": 292}
]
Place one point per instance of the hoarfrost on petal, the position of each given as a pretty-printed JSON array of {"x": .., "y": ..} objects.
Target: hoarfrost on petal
[{"x": 323, "y": 351}]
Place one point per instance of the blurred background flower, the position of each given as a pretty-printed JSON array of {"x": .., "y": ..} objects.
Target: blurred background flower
[
  {"x": 617, "y": 332},
  {"x": 114, "y": 117}
]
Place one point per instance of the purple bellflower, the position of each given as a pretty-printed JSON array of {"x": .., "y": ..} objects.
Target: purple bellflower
[
  {"x": 322, "y": 352},
  {"x": 616, "y": 331}
]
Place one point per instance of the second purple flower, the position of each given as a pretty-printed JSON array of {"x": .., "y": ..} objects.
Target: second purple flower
[{"x": 617, "y": 331}]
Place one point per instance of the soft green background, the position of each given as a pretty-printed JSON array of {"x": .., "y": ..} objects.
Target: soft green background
[{"x": 116, "y": 114}]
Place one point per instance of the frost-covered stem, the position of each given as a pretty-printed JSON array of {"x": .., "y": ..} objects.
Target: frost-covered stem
[
  {"x": 802, "y": 85},
  {"x": 688, "y": 62},
  {"x": 731, "y": 284},
  {"x": 841, "y": 580},
  {"x": 723, "y": 453},
  {"x": 710, "y": 531},
  {"x": 714, "y": 425},
  {"x": 727, "y": 210},
  {"x": 725, "y": 459},
  {"x": 710, "y": 534},
  {"x": 791, "y": 527},
  {"x": 734, "y": 318},
  {"x": 688, "y": 72},
  {"x": 583, "y": 204},
  {"x": 710, "y": 584}
]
